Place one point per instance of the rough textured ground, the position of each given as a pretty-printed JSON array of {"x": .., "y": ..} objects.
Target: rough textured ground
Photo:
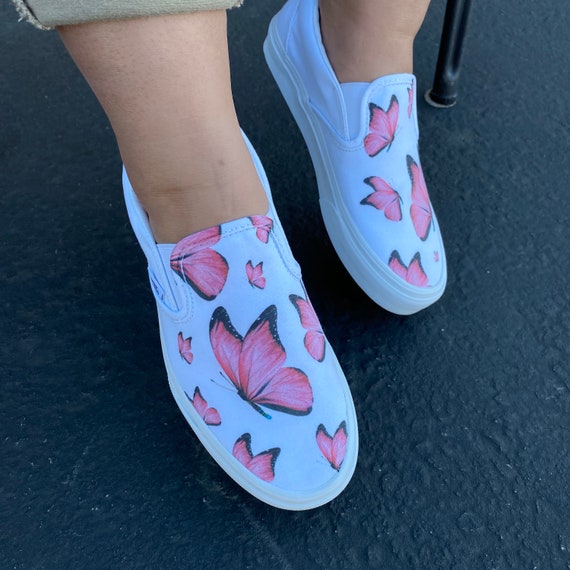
[{"x": 464, "y": 409}]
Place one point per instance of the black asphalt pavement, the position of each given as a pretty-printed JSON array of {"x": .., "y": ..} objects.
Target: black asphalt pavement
[{"x": 464, "y": 408}]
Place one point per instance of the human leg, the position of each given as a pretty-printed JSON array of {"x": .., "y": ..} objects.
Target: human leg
[
  {"x": 247, "y": 361},
  {"x": 164, "y": 83},
  {"x": 366, "y": 39}
]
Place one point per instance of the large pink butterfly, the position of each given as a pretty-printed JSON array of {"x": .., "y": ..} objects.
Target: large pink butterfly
[
  {"x": 184, "y": 347},
  {"x": 210, "y": 415},
  {"x": 254, "y": 364},
  {"x": 255, "y": 274},
  {"x": 382, "y": 127},
  {"x": 420, "y": 210},
  {"x": 263, "y": 226},
  {"x": 314, "y": 337},
  {"x": 411, "y": 96},
  {"x": 204, "y": 269},
  {"x": 262, "y": 464},
  {"x": 384, "y": 198},
  {"x": 413, "y": 273},
  {"x": 333, "y": 448}
]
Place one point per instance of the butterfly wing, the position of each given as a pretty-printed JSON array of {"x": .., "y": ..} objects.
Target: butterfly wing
[
  {"x": 378, "y": 136},
  {"x": 384, "y": 198},
  {"x": 416, "y": 274},
  {"x": 242, "y": 449},
  {"x": 288, "y": 391},
  {"x": 204, "y": 269},
  {"x": 393, "y": 210},
  {"x": 227, "y": 344},
  {"x": 262, "y": 465},
  {"x": 263, "y": 226},
  {"x": 324, "y": 441},
  {"x": 420, "y": 210},
  {"x": 333, "y": 448},
  {"x": 397, "y": 266},
  {"x": 262, "y": 377},
  {"x": 339, "y": 445},
  {"x": 200, "y": 405},
  {"x": 392, "y": 116},
  {"x": 315, "y": 345},
  {"x": 314, "y": 338},
  {"x": 194, "y": 242},
  {"x": 184, "y": 348},
  {"x": 306, "y": 312},
  {"x": 411, "y": 96},
  {"x": 210, "y": 415},
  {"x": 262, "y": 353},
  {"x": 255, "y": 275}
]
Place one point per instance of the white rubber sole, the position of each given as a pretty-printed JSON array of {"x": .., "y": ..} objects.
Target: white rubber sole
[{"x": 373, "y": 276}]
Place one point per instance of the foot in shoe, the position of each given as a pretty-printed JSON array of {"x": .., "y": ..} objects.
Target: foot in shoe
[
  {"x": 363, "y": 140},
  {"x": 247, "y": 361}
]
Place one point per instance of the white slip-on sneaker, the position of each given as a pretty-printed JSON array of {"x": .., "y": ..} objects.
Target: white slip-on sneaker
[
  {"x": 247, "y": 361},
  {"x": 363, "y": 141}
]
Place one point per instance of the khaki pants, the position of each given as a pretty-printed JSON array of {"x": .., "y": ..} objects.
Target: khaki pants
[{"x": 46, "y": 14}]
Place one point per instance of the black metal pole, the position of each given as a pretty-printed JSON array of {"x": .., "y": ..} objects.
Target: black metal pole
[{"x": 444, "y": 90}]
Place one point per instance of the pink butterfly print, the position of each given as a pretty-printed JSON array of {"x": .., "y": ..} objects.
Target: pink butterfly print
[
  {"x": 411, "y": 96},
  {"x": 255, "y": 274},
  {"x": 204, "y": 269},
  {"x": 262, "y": 464},
  {"x": 420, "y": 210},
  {"x": 436, "y": 256},
  {"x": 263, "y": 226},
  {"x": 254, "y": 364},
  {"x": 333, "y": 448},
  {"x": 382, "y": 127},
  {"x": 210, "y": 415},
  {"x": 384, "y": 198},
  {"x": 184, "y": 347},
  {"x": 413, "y": 274},
  {"x": 314, "y": 337}
]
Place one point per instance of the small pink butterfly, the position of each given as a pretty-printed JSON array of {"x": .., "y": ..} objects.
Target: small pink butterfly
[
  {"x": 262, "y": 464},
  {"x": 263, "y": 226},
  {"x": 384, "y": 198},
  {"x": 411, "y": 96},
  {"x": 314, "y": 337},
  {"x": 436, "y": 256},
  {"x": 204, "y": 269},
  {"x": 209, "y": 415},
  {"x": 333, "y": 448},
  {"x": 420, "y": 210},
  {"x": 413, "y": 274},
  {"x": 184, "y": 347},
  {"x": 254, "y": 364},
  {"x": 255, "y": 274},
  {"x": 382, "y": 127}
]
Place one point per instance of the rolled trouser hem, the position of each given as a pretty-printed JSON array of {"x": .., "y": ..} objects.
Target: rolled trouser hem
[{"x": 47, "y": 14}]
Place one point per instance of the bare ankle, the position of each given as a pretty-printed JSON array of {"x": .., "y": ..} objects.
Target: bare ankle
[
  {"x": 363, "y": 41},
  {"x": 218, "y": 190}
]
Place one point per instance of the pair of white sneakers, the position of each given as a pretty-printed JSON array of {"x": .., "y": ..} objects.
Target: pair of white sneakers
[{"x": 247, "y": 361}]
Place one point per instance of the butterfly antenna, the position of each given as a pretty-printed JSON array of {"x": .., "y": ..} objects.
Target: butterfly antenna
[{"x": 230, "y": 387}]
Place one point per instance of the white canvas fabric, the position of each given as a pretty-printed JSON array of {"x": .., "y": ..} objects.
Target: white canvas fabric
[
  {"x": 247, "y": 361},
  {"x": 363, "y": 140}
]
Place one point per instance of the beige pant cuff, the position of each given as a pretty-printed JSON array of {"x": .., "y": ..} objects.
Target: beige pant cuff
[{"x": 46, "y": 14}]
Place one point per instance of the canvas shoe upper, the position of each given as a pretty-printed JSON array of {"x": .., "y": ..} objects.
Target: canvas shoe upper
[
  {"x": 247, "y": 361},
  {"x": 363, "y": 141}
]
